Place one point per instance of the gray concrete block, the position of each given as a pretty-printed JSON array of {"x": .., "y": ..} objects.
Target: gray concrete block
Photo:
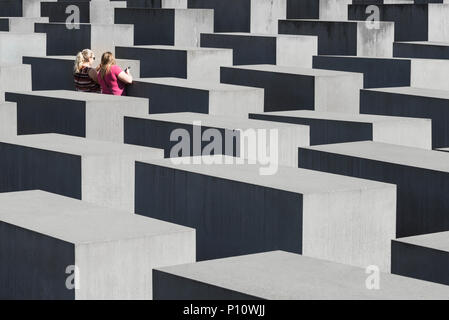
[
  {"x": 98, "y": 37},
  {"x": 421, "y": 177},
  {"x": 377, "y": 72},
  {"x": 413, "y": 22},
  {"x": 20, "y": 24},
  {"x": 424, "y": 257},
  {"x": 95, "y": 171},
  {"x": 328, "y": 127},
  {"x": 114, "y": 251},
  {"x": 180, "y": 95},
  {"x": 15, "y": 45},
  {"x": 21, "y": 8},
  {"x": 249, "y": 48},
  {"x": 97, "y": 12},
  {"x": 8, "y": 119},
  {"x": 90, "y": 115},
  {"x": 155, "y": 130},
  {"x": 351, "y": 38},
  {"x": 14, "y": 77},
  {"x": 411, "y": 102},
  {"x": 290, "y": 277},
  {"x": 392, "y": 72},
  {"x": 236, "y": 210},
  {"x": 294, "y": 88},
  {"x": 421, "y": 49},
  {"x": 180, "y": 27},
  {"x": 181, "y": 62},
  {"x": 61, "y": 69}
]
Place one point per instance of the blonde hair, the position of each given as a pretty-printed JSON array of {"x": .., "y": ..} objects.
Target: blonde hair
[
  {"x": 107, "y": 60},
  {"x": 82, "y": 57}
]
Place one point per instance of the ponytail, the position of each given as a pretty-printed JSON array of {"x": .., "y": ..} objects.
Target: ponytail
[{"x": 82, "y": 57}]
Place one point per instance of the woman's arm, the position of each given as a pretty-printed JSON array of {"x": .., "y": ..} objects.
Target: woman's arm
[
  {"x": 93, "y": 75},
  {"x": 125, "y": 77}
]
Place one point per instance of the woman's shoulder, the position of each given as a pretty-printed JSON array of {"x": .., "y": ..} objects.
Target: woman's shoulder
[{"x": 116, "y": 69}]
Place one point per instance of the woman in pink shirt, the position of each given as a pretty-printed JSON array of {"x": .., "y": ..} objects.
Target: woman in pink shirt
[{"x": 111, "y": 77}]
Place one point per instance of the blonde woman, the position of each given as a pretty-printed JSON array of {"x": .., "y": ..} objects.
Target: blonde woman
[
  {"x": 111, "y": 77},
  {"x": 84, "y": 76}
]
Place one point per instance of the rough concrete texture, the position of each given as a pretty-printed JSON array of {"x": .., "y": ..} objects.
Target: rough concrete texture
[
  {"x": 299, "y": 88},
  {"x": 22, "y": 24},
  {"x": 313, "y": 208},
  {"x": 424, "y": 257},
  {"x": 182, "y": 62},
  {"x": 421, "y": 177},
  {"x": 291, "y": 277},
  {"x": 95, "y": 171},
  {"x": 142, "y": 131},
  {"x": 250, "y": 48},
  {"x": 15, "y": 45},
  {"x": 329, "y": 127},
  {"x": 181, "y": 95},
  {"x": 410, "y": 102},
  {"x": 114, "y": 251},
  {"x": 90, "y": 115},
  {"x": 8, "y": 119},
  {"x": 20, "y": 81}
]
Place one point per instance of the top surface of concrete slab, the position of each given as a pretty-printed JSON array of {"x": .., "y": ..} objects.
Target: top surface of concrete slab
[
  {"x": 282, "y": 275},
  {"x": 413, "y": 157},
  {"x": 421, "y": 92},
  {"x": 180, "y": 48},
  {"x": 291, "y": 179},
  {"x": 296, "y": 70},
  {"x": 338, "y": 116},
  {"x": 81, "y": 96},
  {"x": 247, "y": 34},
  {"x": 77, "y": 221},
  {"x": 438, "y": 241},
  {"x": 428, "y": 43},
  {"x": 196, "y": 84},
  {"x": 80, "y": 146},
  {"x": 220, "y": 121}
]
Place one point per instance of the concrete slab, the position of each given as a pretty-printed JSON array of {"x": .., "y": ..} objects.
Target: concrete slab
[
  {"x": 294, "y": 88},
  {"x": 391, "y": 72},
  {"x": 8, "y": 119},
  {"x": 95, "y": 171},
  {"x": 352, "y": 38},
  {"x": 291, "y": 277},
  {"x": 21, "y": 8},
  {"x": 114, "y": 251},
  {"x": 97, "y": 12},
  {"x": 181, "y": 62},
  {"x": 61, "y": 69},
  {"x": 180, "y": 95},
  {"x": 20, "y": 81},
  {"x": 15, "y": 45},
  {"x": 421, "y": 49},
  {"x": 420, "y": 175},
  {"x": 90, "y": 115},
  {"x": 98, "y": 37},
  {"x": 377, "y": 72},
  {"x": 249, "y": 48},
  {"x": 302, "y": 211},
  {"x": 411, "y": 102},
  {"x": 167, "y": 26},
  {"x": 155, "y": 131},
  {"x": 20, "y": 24},
  {"x": 329, "y": 127},
  {"x": 424, "y": 257}
]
